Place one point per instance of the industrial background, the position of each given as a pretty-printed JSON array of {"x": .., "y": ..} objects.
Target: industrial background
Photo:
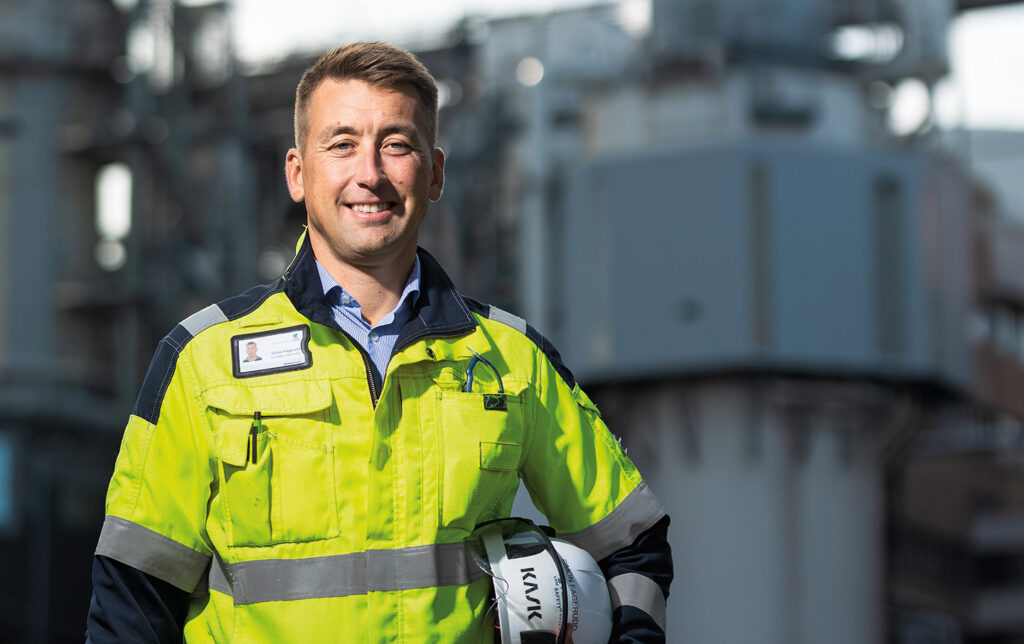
[{"x": 829, "y": 391}]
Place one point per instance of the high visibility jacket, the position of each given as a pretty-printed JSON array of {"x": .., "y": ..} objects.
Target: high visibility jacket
[{"x": 299, "y": 504}]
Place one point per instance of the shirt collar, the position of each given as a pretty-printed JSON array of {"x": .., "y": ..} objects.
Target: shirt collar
[
  {"x": 439, "y": 308},
  {"x": 334, "y": 292}
]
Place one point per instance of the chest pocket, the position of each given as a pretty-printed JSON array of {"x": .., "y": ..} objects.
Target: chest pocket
[
  {"x": 480, "y": 444},
  {"x": 277, "y": 473}
]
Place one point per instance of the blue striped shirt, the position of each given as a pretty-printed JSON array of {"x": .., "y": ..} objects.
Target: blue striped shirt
[{"x": 378, "y": 341}]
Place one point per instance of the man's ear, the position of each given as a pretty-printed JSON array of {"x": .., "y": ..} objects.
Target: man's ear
[
  {"x": 436, "y": 175},
  {"x": 293, "y": 173}
]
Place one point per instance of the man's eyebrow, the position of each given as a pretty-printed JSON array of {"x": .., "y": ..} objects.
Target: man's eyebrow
[
  {"x": 401, "y": 128},
  {"x": 332, "y": 131}
]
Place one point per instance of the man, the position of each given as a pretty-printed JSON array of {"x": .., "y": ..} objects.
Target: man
[
  {"x": 326, "y": 496},
  {"x": 252, "y": 352}
]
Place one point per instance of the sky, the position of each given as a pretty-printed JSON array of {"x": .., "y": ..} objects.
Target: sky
[
  {"x": 987, "y": 49},
  {"x": 983, "y": 91},
  {"x": 268, "y": 28}
]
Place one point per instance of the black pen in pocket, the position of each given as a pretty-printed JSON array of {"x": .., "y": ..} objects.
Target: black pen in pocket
[{"x": 254, "y": 433}]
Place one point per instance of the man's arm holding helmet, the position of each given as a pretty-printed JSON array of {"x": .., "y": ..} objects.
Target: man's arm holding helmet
[
  {"x": 593, "y": 495},
  {"x": 637, "y": 574}
]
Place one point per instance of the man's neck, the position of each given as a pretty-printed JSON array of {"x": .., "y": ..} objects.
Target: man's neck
[{"x": 377, "y": 287}]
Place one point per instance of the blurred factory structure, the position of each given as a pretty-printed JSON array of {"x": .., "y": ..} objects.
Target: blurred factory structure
[{"x": 808, "y": 330}]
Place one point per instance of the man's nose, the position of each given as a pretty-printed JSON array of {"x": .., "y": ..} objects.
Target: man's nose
[{"x": 371, "y": 174}]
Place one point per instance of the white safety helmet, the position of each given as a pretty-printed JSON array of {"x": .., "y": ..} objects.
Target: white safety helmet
[{"x": 547, "y": 590}]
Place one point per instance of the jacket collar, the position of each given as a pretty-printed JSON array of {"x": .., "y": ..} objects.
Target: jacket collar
[{"x": 439, "y": 310}]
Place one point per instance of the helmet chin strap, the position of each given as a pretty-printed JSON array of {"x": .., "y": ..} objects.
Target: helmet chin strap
[{"x": 494, "y": 546}]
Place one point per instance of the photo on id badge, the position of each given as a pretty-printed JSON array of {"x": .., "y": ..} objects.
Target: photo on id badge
[{"x": 256, "y": 354}]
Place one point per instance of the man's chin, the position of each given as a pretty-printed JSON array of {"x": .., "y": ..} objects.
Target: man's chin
[{"x": 377, "y": 255}]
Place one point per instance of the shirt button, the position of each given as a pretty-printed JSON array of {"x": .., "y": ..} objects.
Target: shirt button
[
  {"x": 346, "y": 299},
  {"x": 373, "y": 336}
]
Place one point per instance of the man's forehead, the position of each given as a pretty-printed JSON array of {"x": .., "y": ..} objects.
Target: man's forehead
[
  {"x": 342, "y": 104},
  {"x": 361, "y": 96}
]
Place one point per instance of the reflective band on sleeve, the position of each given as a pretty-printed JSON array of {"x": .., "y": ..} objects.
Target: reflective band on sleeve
[
  {"x": 633, "y": 589},
  {"x": 637, "y": 512},
  {"x": 151, "y": 552},
  {"x": 357, "y": 573}
]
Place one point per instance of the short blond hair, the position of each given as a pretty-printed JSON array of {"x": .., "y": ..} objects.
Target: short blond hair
[{"x": 376, "y": 63}]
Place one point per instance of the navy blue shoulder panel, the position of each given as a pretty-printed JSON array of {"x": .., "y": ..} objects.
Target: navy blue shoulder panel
[
  {"x": 244, "y": 304},
  {"x": 552, "y": 353},
  {"x": 477, "y": 307},
  {"x": 548, "y": 349},
  {"x": 165, "y": 360},
  {"x": 158, "y": 376}
]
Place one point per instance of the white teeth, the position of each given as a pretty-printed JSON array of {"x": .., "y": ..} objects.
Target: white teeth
[{"x": 369, "y": 207}]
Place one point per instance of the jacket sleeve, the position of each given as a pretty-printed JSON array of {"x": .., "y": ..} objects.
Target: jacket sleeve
[
  {"x": 593, "y": 495},
  {"x": 639, "y": 577},
  {"x": 130, "y": 606},
  {"x": 153, "y": 548}
]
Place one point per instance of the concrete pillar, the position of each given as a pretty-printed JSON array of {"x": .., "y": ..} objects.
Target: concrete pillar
[
  {"x": 840, "y": 532},
  {"x": 32, "y": 168},
  {"x": 776, "y": 517},
  {"x": 728, "y": 491}
]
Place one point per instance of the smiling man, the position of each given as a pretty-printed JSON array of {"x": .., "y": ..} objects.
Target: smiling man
[{"x": 326, "y": 492}]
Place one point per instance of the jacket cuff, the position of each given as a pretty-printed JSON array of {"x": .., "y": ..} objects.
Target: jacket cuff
[{"x": 152, "y": 553}]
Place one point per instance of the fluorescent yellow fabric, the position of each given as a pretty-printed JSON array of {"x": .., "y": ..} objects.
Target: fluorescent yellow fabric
[{"x": 335, "y": 475}]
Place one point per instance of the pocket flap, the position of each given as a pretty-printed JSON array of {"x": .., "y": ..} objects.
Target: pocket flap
[
  {"x": 233, "y": 441},
  {"x": 265, "y": 319},
  {"x": 502, "y": 457},
  {"x": 278, "y": 399}
]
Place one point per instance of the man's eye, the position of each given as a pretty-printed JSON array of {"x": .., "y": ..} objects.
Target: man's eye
[
  {"x": 342, "y": 145},
  {"x": 397, "y": 146}
]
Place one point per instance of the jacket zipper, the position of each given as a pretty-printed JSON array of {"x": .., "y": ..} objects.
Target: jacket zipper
[{"x": 374, "y": 395}]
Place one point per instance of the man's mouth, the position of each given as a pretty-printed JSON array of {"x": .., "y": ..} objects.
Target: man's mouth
[{"x": 372, "y": 207}]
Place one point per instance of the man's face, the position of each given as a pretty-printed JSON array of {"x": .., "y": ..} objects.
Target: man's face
[
  {"x": 251, "y": 351},
  {"x": 367, "y": 172}
]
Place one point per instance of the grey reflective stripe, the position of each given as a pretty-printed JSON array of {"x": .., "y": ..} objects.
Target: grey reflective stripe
[
  {"x": 202, "y": 320},
  {"x": 357, "y": 573},
  {"x": 633, "y": 589},
  {"x": 218, "y": 577},
  {"x": 151, "y": 552},
  {"x": 514, "y": 321},
  {"x": 214, "y": 579},
  {"x": 443, "y": 564},
  {"x": 637, "y": 512}
]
